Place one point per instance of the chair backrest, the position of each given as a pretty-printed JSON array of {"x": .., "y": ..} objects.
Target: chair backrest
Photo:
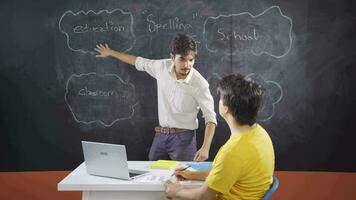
[{"x": 273, "y": 188}]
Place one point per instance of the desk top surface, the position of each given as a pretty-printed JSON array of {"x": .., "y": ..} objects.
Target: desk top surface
[{"x": 80, "y": 180}]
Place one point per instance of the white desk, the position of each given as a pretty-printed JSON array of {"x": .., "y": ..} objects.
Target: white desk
[{"x": 95, "y": 187}]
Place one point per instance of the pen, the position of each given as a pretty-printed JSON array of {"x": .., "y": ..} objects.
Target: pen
[{"x": 187, "y": 166}]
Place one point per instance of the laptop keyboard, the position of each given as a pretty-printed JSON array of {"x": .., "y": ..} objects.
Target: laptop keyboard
[{"x": 133, "y": 174}]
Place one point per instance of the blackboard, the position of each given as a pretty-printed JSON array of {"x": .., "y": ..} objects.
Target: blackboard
[{"x": 55, "y": 93}]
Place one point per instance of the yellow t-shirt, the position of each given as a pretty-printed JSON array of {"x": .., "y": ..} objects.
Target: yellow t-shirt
[{"x": 244, "y": 166}]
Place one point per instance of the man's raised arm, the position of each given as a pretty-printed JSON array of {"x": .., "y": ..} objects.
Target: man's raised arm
[{"x": 105, "y": 51}]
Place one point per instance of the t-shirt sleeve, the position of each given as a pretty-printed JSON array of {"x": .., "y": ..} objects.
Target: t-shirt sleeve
[{"x": 227, "y": 168}]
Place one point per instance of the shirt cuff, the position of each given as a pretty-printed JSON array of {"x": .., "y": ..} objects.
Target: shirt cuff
[{"x": 140, "y": 63}]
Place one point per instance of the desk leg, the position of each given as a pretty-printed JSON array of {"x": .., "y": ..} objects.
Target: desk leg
[
  {"x": 86, "y": 195},
  {"x": 123, "y": 195}
]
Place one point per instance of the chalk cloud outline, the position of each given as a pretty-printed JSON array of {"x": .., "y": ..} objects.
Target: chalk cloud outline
[
  {"x": 248, "y": 77},
  {"x": 98, "y": 121},
  {"x": 253, "y": 16},
  {"x": 95, "y": 13}
]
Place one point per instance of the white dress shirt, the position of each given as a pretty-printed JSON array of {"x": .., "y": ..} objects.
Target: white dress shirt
[{"x": 179, "y": 101}]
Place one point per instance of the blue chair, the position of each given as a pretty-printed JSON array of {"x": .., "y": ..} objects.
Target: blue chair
[{"x": 273, "y": 188}]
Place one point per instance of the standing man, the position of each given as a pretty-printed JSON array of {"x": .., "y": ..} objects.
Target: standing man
[{"x": 181, "y": 92}]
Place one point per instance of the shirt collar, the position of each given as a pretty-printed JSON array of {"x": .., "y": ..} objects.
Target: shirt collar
[{"x": 171, "y": 67}]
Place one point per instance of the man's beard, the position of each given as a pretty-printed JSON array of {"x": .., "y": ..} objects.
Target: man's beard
[{"x": 184, "y": 72}]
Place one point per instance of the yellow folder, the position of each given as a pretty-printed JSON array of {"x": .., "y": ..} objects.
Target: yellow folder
[{"x": 164, "y": 164}]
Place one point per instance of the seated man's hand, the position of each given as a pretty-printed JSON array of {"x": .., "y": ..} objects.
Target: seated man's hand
[
  {"x": 172, "y": 188},
  {"x": 183, "y": 174}
]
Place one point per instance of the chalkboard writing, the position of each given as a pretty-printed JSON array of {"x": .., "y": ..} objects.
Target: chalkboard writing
[
  {"x": 266, "y": 33},
  {"x": 85, "y": 29},
  {"x": 96, "y": 98}
]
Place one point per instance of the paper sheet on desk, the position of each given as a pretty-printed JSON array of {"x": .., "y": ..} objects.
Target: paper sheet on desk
[
  {"x": 157, "y": 177},
  {"x": 150, "y": 178}
]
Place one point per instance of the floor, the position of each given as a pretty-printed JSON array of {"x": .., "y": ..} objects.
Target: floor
[{"x": 293, "y": 186}]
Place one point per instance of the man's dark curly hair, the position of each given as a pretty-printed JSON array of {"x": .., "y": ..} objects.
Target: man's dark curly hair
[
  {"x": 182, "y": 44},
  {"x": 242, "y": 97}
]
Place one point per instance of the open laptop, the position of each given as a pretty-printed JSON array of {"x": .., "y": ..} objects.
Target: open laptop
[{"x": 109, "y": 160}]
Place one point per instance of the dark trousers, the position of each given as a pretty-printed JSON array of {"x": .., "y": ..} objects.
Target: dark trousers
[{"x": 177, "y": 146}]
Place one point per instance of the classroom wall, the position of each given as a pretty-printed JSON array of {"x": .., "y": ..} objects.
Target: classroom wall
[{"x": 302, "y": 52}]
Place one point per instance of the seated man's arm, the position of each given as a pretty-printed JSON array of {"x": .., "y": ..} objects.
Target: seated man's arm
[
  {"x": 191, "y": 175},
  {"x": 176, "y": 190}
]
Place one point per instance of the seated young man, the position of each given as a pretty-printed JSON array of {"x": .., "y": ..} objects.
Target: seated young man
[{"x": 243, "y": 168}]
